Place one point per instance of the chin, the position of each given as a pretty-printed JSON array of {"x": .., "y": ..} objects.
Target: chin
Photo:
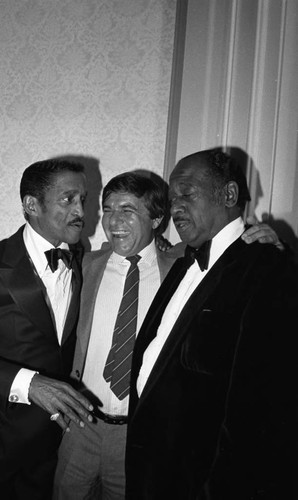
[
  {"x": 73, "y": 240},
  {"x": 122, "y": 251}
]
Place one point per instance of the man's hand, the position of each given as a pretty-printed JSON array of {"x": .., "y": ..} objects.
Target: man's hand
[
  {"x": 55, "y": 396},
  {"x": 261, "y": 232}
]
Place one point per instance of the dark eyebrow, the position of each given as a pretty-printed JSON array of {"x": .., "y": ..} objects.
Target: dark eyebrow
[
  {"x": 72, "y": 191},
  {"x": 129, "y": 205}
]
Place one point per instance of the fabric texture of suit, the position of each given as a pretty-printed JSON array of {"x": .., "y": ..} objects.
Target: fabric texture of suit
[
  {"x": 94, "y": 264},
  {"x": 215, "y": 420},
  {"x": 28, "y": 339}
]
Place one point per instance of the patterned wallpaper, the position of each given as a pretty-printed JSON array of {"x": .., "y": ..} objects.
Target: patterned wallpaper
[{"x": 87, "y": 79}]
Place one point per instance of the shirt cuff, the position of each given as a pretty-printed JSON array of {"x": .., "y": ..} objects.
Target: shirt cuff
[{"x": 20, "y": 387}]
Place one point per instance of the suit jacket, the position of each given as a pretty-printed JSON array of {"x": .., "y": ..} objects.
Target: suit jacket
[
  {"x": 94, "y": 264},
  {"x": 215, "y": 418},
  {"x": 28, "y": 339}
]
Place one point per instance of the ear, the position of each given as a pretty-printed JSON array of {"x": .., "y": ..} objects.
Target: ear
[
  {"x": 231, "y": 194},
  {"x": 30, "y": 205},
  {"x": 156, "y": 222}
]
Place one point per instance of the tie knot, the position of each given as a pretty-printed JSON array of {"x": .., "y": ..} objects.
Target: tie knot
[
  {"x": 55, "y": 254},
  {"x": 133, "y": 259},
  {"x": 201, "y": 255}
]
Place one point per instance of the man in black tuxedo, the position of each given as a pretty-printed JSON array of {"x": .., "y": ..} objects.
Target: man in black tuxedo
[
  {"x": 39, "y": 299},
  {"x": 211, "y": 400}
]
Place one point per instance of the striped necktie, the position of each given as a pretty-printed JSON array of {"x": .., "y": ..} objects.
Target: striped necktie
[{"x": 118, "y": 363}]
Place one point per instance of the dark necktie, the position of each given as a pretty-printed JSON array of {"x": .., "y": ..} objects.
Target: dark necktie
[
  {"x": 118, "y": 363},
  {"x": 201, "y": 255},
  {"x": 55, "y": 254}
]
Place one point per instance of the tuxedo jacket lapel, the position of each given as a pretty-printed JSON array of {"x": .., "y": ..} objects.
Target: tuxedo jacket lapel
[
  {"x": 155, "y": 312},
  {"x": 72, "y": 313},
  {"x": 193, "y": 306},
  {"x": 24, "y": 284}
]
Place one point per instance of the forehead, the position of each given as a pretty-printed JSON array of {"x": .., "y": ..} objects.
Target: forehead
[
  {"x": 123, "y": 199},
  {"x": 67, "y": 181},
  {"x": 185, "y": 175}
]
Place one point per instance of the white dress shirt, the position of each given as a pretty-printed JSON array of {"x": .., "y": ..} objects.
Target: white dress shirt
[
  {"x": 105, "y": 313},
  {"x": 58, "y": 287},
  {"x": 188, "y": 284}
]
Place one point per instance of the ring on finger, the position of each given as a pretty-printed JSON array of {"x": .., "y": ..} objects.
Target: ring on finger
[{"x": 54, "y": 416}]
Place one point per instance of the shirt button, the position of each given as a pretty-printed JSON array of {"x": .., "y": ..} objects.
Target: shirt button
[{"x": 13, "y": 398}]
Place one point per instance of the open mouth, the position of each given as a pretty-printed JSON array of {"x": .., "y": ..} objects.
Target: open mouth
[
  {"x": 181, "y": 225},
  {"x": 77, "y": 225},
  {"x": 119, "y": 234}
]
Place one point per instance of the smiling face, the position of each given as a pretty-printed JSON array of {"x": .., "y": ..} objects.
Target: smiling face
[
  {"x": 60, "y": 217},
  {"x": 198, "y": 213},
  {"x": 127, "y": 223}
]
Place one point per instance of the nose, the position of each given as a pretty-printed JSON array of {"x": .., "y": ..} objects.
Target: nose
[
  {"x": 79, "y": 209},
  {"x": 177, "y": 206},
  {"x": 116, "y": 216}
]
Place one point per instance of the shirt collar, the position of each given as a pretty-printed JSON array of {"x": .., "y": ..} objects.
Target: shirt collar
[
  {"x": 148, "y": 254},
  {"x": 36, "y": 245},
  {"x": 225, "y": 238}
]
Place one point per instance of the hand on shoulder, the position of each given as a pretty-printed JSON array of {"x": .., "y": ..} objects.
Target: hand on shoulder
[{"x": 261, "y": 232}]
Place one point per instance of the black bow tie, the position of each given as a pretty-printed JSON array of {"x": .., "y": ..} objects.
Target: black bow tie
[
  {"x": 55, "y": 254},
  {"x": 201, "y": 255}
]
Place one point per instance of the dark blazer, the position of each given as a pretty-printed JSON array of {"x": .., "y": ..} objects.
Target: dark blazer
[
  {"x": 215, "y": 418},
  {"x": 28, "y": 339},
  {"x": 94, "y": 264}
]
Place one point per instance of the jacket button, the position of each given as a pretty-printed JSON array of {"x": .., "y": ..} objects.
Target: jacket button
[{"x": 78, "y": 373}]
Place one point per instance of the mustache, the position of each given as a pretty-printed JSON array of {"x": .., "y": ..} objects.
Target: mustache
[
  {"x": 179, "y": 219},
  {"x": 77, "y": 220}
]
